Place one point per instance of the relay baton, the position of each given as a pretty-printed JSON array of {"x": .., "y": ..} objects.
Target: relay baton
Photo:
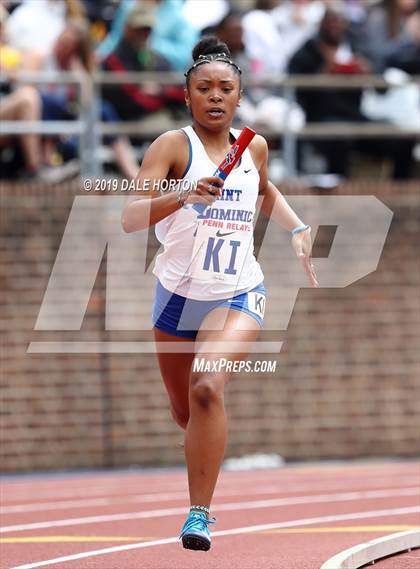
[{"x": 231, "y": 159}]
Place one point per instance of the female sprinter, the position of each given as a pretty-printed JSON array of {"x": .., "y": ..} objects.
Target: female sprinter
[{"x": 210, "y": 285}]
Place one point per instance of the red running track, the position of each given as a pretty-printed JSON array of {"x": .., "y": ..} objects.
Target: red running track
[{"x": 291, "y": 518}]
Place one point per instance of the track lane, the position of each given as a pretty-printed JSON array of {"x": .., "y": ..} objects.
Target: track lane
[
  {"x": 222, "y": 492},
  {"x": 291, "y": 482},
  {"x": 278, "y": 547},
  {"x": 253, "y": 504},
  {"x": 60, "y": 486}
]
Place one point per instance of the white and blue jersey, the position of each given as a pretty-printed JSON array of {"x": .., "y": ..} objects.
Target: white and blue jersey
[{"x": 209, "y": 255}]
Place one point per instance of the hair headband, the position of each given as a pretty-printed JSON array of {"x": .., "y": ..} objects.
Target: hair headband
[{"x": 210, "y": 58}]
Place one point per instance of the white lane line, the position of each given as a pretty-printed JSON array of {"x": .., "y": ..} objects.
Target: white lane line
[
  {"x": 234, "y": 531},
  {"x": 162, "y": 497},
  {"x": 90, "y": 489},
  {"x": 87, "y": 491},
  {"x": 232, "y": 506},
  {"x": 86, "y": 488}
]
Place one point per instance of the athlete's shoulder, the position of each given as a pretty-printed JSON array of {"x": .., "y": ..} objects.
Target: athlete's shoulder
[
  {"x": 171, "y": 137},
  {"x": 171, "y": 147},
  {"x": 258, "y": 144},
  {"x": 259, "y": 150}
]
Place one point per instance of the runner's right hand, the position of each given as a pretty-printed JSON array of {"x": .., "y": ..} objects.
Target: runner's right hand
[{"x": 204, "y": 192}]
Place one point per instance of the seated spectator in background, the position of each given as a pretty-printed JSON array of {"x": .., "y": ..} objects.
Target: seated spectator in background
[
  {"x": 260, "y": 106},
  {"x": 230, "y": 31},
  {"x": 393, "y": 32},
  {"x": 22, "y": 103},
  {"x": 73, "y": 52},
  {"x": 356, "y": 13},
  {"x": 133, "y": 53},
  {"x": 10, "y": 58},
  {"x": 55, "y": 101},
  {"x": 296, "y": 21},
  {"x": 263, "y": 41},
  {"x": 100, "y": 16},
  {"x": 173, "y": 36},
  {"x": 33, "y": 27},
  {"x": 111, "y": 41},
  {"x": 329, "y": 53}
]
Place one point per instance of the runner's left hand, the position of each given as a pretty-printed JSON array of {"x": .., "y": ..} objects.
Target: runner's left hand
[{"x": 302, "y": 244}]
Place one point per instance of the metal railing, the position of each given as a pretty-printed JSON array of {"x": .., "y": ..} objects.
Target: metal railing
[
  {"x": 85, "y": 126},
  {"x": 90, "y": 129}
]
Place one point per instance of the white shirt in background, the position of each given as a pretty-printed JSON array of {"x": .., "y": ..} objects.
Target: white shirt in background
[
  {"x": 204, "y": 13},
  {"x": 296, "y": 23},
  {"x": 263, "y": 43},
  {"x": 35, "y": 25}
]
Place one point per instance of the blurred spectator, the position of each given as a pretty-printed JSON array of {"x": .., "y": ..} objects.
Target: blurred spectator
[
  {"x": 24, "y": 104},
  {"x": 296, "y": 21},
  {"x": 20, "y": 104},
  {"x": 73, "y": 51},
  {"x": 33, "y": 27},
  {"x": 132, "y": 101},
  {"x": 100, "y": 16},
  {"x": 393, "y": 30},
  {"x": 116, "y": 32},
  {"x": 329, "y": 53},
  {"x": 263, "y": 41},
  {"x": 173, "y": 36},
  {"x": 10, "y": 57},
  {"x": 230, "y": 31},
  {"x": 260, "y": 106},
  {"x": 356, "y": 13}
]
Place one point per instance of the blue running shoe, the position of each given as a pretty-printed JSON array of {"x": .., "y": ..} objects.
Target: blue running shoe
[{"x": 195, "y": 534}]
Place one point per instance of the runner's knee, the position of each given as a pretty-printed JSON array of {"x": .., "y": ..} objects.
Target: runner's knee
[{"x": 206, "y": 389}]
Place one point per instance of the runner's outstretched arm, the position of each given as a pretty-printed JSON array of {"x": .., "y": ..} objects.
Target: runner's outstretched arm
[{"x": 275, "y": 206}]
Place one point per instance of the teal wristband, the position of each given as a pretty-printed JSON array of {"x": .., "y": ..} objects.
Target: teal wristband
[{"x": 300, "y": 228}]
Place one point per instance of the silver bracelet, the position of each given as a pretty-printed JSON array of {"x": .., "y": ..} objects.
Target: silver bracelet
[
  {"x": 300, "y": 229},
  {"x": 182, "y": 197}
]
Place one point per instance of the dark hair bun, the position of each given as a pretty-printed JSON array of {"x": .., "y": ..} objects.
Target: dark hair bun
[{"x": 208, "y": 45}]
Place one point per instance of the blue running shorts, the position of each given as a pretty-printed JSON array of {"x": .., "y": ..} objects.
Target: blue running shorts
[{"x": 180, "y": 316}]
